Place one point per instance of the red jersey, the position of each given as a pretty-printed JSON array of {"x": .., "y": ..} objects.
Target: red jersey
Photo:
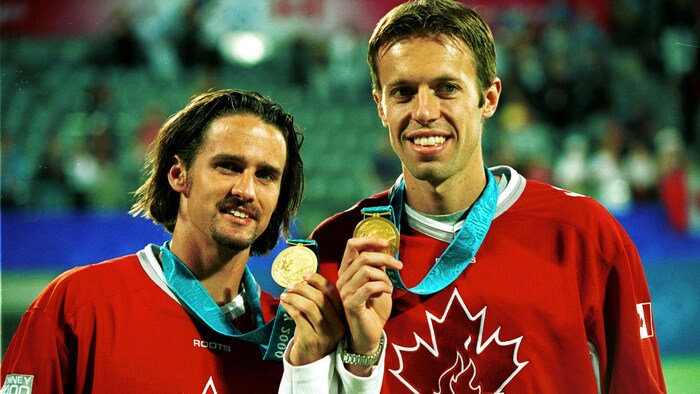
[
  {"x": 555, "y": 301},
  {"x": 113, "y": 327}
]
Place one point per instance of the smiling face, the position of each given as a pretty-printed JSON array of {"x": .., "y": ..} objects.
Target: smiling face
[
  {"x": 231, "y": 189},
  {"x": 429, "y": 101}
]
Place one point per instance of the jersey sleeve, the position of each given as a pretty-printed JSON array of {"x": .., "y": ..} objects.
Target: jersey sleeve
[
  {"x": 633, "y": 353},
  {"x": 329, "y": 375},
  {"x": 316, "y": 377},
  {"x": 36, "y": 357},
  {"x": 630, "y": 345}
]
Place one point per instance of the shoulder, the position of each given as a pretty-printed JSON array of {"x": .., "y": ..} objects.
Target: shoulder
[
  {"x": 525, "y": 198},
  {"x": 548, "y": 201},
  {"x": 102, "y": 276},
  {"x": 542, "y": 204},
  {"x": 85, "y": 284}
]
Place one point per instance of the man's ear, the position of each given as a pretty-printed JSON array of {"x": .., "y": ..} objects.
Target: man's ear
[
  {"x": 177, "y": 175},
  {"x": 492, "y": 96},
  {"x": 380, "y": 110}
]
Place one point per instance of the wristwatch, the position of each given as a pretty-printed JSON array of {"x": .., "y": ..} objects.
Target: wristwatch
[{"x": 360, "y": 359}]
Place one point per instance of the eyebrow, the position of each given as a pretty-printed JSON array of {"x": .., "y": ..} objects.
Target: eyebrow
[{"x": 440, "y": 79}]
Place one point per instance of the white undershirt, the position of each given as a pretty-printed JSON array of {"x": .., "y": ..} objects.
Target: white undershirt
[{"x": 444, "y": 230}]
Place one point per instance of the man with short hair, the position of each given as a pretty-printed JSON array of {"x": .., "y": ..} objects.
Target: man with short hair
[{"x": 508, "y": 285}]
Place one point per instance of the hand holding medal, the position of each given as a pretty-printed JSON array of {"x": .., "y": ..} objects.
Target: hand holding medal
[
  {"x": 365, "y": 287},
  {"x": 310, "y": 301}
]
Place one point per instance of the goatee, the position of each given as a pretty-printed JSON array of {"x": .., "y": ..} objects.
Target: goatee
[{"x": 230, "y": 243}]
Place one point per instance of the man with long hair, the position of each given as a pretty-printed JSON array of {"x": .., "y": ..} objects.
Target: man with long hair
[{"x": 224, "y": 176}]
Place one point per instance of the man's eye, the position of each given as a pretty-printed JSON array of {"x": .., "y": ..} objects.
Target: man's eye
[
  {"x": 401, "y": 93},
  {"x": 228, "y": 166},
  {"x": 265, "y": 176},
  {"x": 448, "y": 88}
]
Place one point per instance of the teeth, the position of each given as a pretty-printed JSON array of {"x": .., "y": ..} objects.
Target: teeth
[
  {"x": 238, "y": 214},
  {"x": 428, "y": 141}
]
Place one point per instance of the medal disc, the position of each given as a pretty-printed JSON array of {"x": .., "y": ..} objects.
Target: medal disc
[
  {"x": 292, "y": 263},
  {"x": 379, "y": 227}
]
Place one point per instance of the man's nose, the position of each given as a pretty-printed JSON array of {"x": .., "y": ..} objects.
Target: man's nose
[
  {"x": 426, "y": 106},
  {"x": 244, "y": 186}
]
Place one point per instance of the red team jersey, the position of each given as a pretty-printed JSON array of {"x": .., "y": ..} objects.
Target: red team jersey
[
  {"x": 555, "y": 300},
  {"x": 114, "y": 328}
]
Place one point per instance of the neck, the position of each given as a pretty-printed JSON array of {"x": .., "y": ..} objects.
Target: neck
[
  {"x": 449, "y": 196},
  {"x": 219, "y": 269}
]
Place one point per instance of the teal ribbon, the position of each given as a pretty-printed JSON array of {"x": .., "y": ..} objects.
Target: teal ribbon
[
  {"x": 309, "y": 243},
  {"x": 272, "y": 337},
  {"x": 461, "y": 251}
]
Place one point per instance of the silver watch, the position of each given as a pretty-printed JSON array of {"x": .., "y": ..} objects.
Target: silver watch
[{"x": 360, "y": 359}]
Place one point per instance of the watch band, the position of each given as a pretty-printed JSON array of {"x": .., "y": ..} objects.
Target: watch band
[{"x": 360, "y": 359}]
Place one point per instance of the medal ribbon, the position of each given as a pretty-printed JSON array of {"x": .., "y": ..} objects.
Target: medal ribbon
[
  {"x": 272, "y": 337},
  {"x": 461, "y": 251},
  {"x": 309, "y": 243},
  {"x": 381, "y": 210}
]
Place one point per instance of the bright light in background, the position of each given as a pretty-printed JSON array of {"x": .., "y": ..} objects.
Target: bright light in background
[{"x": 243, "y": 47}]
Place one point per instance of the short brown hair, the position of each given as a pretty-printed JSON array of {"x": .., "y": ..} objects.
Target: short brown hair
[
  {"x": 430, "y": 18},
  {"x": 182, "y": 135}
]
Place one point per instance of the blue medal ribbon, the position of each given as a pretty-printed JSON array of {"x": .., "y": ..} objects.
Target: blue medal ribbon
[
  {"x": 272, "y": 337},
  {"x": 461, "y": 251}
]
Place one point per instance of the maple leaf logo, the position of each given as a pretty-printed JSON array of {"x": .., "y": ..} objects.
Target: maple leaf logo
[{"x": 470, "y": 361}]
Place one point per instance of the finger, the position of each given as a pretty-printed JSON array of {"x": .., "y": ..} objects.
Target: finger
[
  {"x": 316, "y": 308},
  {"x": 348, "y": 285},
  {"x": 326, "y": 299},
  {"x": 310, "y": 341},
  {"x": 376, "y": 259},
  {"x": 303, "y": 325},
  {"x": 366, "y": 292},
  {"x": 310, "y": 327},
  {"x": 307, "y": 317},
  {"x": 367, "y": 260},
  {"x": 308, "y": 291},
  {"x": 356, "y": 246},
  {"x": 320, "y": 283}
]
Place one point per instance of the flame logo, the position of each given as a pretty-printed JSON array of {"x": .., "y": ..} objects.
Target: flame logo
[
  {"x": 459, "y": 378},
  {"x": 473, "y": 362}
]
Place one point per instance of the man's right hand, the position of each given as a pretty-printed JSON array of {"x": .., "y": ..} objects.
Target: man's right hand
[{"x": 365, "y": 291}]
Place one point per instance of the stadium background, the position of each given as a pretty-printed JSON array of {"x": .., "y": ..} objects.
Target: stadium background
[{"x": 600, "y": 97}]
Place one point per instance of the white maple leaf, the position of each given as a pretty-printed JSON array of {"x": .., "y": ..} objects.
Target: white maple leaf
[{"x": 460, "y": 368}]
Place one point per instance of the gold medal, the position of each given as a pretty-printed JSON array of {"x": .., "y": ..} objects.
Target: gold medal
[
  {"x": 292, "y": 263},
  {"x": 379, "y": 227}
]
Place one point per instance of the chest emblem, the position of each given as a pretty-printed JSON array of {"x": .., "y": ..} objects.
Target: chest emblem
[{"x": 464, "y": 360}]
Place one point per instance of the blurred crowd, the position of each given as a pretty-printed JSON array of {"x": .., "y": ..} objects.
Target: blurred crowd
[{"x": 606, "y": 107}]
